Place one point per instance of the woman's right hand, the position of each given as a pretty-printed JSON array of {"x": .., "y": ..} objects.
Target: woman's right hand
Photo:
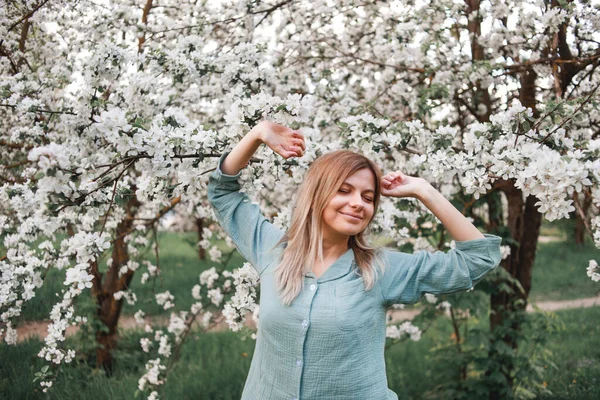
[{"x": 282, "y": 140}]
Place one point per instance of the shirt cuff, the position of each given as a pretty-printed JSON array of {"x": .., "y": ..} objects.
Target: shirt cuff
[
  {"x": 488, "y": 241},
  {"x": 224, "y": 180}
]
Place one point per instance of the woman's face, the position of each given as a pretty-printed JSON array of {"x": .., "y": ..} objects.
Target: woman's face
[{"x": 351, "y": 208}]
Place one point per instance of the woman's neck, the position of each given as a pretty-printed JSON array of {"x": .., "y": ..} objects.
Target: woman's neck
[{"x": 334, "y": 248}]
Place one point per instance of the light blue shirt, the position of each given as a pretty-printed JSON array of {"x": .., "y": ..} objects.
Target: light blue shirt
[{"x": 329, "y": 343}]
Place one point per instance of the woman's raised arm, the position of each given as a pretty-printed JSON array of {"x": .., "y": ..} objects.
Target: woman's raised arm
[
  {"x": 410, "y": 276},
  {"x": 243, "y": 221}
]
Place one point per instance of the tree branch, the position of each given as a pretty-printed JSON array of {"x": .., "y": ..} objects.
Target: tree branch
[
  {"x": 160, "y": 214},
  {"x": 146, "y": 11},
  {"x": 26, "y": 16},
  {"x": 112, "y": 199},
  {"x": 572, "y": 115}
]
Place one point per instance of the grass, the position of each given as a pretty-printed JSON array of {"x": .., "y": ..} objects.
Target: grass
[
  {"x": 559, "y": 271},
  {"x": 214, "y": 366},
  {"x": 576, "y": 351}
]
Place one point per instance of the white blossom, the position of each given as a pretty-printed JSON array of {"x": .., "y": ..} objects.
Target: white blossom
[
  {"x": 165, "y": 299},
  {"x": 402, "y": 330},
  {"x": 593, "y": 271}
]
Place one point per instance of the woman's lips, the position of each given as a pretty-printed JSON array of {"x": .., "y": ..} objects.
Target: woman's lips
[{"x": 351, "y": 217}]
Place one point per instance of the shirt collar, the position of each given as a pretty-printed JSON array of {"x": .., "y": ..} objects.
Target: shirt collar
[{"x": 339, "y": 268}]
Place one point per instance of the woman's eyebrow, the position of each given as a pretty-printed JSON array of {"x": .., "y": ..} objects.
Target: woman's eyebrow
[{"x": 368, "y": 190}]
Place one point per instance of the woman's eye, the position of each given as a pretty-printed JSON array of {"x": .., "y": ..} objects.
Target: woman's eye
[
  {"x": 368, "y": 199},
  {"x": 343, "y": 191}
]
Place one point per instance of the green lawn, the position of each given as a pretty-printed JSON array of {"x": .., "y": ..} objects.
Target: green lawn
[
  {"x": 214, "y": 366},
  {"x": 576, "y": 352},
  {"x": 559, "y": 272}
]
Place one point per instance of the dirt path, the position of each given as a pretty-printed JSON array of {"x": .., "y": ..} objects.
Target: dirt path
[
  {"x": 39, "y": 328},
  {"x": 543, "y": 305},
  {"x": 548, "y": 239}
]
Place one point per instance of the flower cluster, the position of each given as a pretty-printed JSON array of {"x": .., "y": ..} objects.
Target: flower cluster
[
  {"x": 405, "y": 329},
  {"x": 243, "y": 300},
  {"x": 593, "y": 271}
]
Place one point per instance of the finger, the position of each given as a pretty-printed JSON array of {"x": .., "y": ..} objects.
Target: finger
[
  {"x": 292, "y": 151},
  {"x": 299, "y": 142},
  {"x": 297, "y": 134}
]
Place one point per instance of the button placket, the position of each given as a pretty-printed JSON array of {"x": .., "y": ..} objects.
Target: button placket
[{"x": 312, "y": 288}]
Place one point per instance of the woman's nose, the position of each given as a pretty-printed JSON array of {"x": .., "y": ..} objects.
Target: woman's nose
[{"x": 356, "y": 201}]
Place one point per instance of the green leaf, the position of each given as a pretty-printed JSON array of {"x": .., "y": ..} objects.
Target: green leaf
[{"x": 139, "y": 123}]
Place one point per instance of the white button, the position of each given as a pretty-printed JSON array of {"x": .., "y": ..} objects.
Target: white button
[
  {"x": 299, "y": 362},
  {"x": 305, "y": 323},
  {"x": 313, "y": 287}
]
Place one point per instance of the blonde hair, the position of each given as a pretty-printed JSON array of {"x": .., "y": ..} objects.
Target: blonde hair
[{"x": 304, "y": 238}]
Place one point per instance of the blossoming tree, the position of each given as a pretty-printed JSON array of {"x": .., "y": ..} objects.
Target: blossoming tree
[{"x": 113, "y": 112}]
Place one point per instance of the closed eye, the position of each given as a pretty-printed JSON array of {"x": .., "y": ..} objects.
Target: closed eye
[{"x": 366, "y": 198}]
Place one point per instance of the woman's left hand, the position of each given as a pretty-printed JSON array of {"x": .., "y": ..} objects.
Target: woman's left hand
[{"x": 397, "y": 184}]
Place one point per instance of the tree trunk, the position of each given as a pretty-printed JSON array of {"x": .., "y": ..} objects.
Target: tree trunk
[
  {"x": 579, "y": 220},
  {"x": 109, "y": 309},
  {"x": 524, "y": 223}
]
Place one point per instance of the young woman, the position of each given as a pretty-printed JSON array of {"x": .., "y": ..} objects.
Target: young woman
[{"x": 323, "y": 290}]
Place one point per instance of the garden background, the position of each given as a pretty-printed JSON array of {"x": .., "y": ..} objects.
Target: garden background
[{"x": 114, "y": 112}]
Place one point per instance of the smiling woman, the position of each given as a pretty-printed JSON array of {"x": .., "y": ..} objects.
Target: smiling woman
[
  {"x": 324, "y": 291},
  {"x": 336, "y": 202}
]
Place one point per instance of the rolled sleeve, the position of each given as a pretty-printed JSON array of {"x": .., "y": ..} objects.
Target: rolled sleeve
[
  {"x": 407, "y": 277},
  {"x": 252, "y": 234}
]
